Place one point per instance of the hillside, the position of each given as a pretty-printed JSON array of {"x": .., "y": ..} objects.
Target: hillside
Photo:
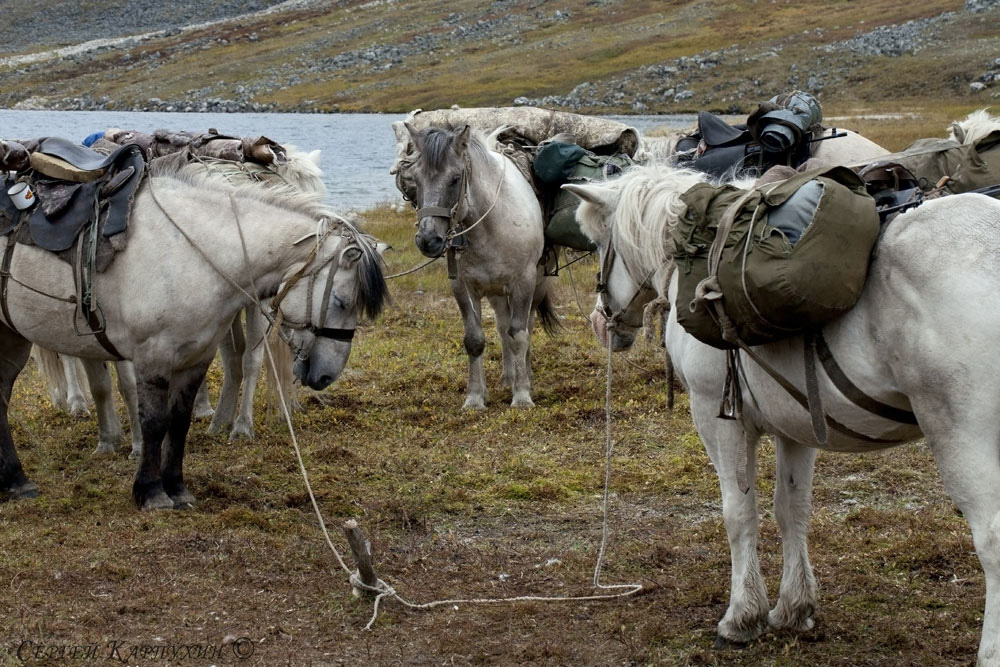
[{"x": 606, "y": 56}]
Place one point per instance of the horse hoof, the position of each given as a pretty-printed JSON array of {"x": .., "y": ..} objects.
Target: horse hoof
[
  {"x": 241, "y": 434},
  {"x": 474, "y": 404},
  {"x": 79, "y": 411},
  {"x": 26, "y": 491},
  {"x": 723, "y": 644},
  {"x": 105, "y": 448},
  {"x": 158, "y": 501},
  {"x": 135, "y": 453},
  {"x": 203, "y": 413},
  {"x": 522, "y": 402}
]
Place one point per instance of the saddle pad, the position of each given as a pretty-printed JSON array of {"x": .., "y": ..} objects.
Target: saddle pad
[{"x": 54, "y": 167}]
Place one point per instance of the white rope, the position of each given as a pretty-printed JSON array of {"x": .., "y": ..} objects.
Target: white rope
[{"x": 383, "y": 589}]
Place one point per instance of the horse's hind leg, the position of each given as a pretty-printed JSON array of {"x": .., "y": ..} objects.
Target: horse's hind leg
[
  {"x": 183, "y": 388},
  {"x": 970, "y": 468},
  {"x": 520, "y": 341},
  {"x": 502, "y": 311},
  {"x": 14, "y": 351},
  {"x": 475, "y": 344},
  {"x": 109, "y": 430},
  {"x": 231, "y": 350},
  {"x": 76, "y": 401},
  {"x": 253, "y": 359},
  {"x": 126, "y": 387},
  {"x": 792, "y": 506}
]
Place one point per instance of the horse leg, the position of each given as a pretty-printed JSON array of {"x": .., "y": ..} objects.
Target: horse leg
[
  {"x": 475, "y": 344},
  {"x": 746, "y": 617},
  {"x": 126, "y": 387},
  {"x": 202, "y": 404},
  {"x": 253, "y": 359},
  {"x": 502, "y": 311},
  {"x": 231, "y": 350},
  {"x": 14, "y": 352},
  {"x": 792, "y": 507},
  {"x": 520, "y": 341},
  {"x": 970, "y": 470},
  {"x": 109, "y": 429},
  {"x": 76, "y": 401},
  {"x": 153, "y": 391},
  {"x": 183, "y": 389}
]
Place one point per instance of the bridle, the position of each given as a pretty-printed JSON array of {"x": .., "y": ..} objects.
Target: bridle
[
  {"x": 279, "y": 318},
  {"x": 615, "y": 318}
]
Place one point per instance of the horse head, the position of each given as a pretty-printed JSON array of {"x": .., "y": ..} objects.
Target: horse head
[
  {"x": 621, "y": 298},
  {"x": 436, "y": 181},
  {"x": 321, "y": 301}
]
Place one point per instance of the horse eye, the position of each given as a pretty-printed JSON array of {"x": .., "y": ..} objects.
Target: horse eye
[
  {"x": 352, "y": 254},
  {"x": 455, "y": 180}
]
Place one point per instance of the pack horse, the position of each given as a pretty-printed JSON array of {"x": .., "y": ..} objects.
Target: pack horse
[
  {"x": 912, "y": 359},
  {"x": 198, "y": 250}
]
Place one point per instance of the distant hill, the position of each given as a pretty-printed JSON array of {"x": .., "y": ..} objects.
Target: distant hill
[{"x": 606, "y": 56}]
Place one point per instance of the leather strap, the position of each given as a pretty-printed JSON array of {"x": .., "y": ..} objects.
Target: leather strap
[
  {"x": 816, "y": 413},
  {"x": 852, "y": 392},
  {"x": 8, "y": 253},
  {"x": 434, "y": 212}
]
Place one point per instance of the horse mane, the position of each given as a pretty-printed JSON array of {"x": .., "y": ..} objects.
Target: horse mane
[
  {"x": 976, "y": 125},
  {"x": 302, "y": 170},
  {"x": 646, "y": 207},
  {"x": 372, "y": 288}
]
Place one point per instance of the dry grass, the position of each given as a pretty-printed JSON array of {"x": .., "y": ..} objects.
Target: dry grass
[{"x": 498, "y": 503}]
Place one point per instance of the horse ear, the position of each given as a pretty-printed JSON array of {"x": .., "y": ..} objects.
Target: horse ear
[
  {"x": 598, "y": 195},
  {"x": 314, "y": 156},
  {"x": 462, "y": 139},
  {"x": 958, "y": 132},
  {"x": 414, "y": 134}
]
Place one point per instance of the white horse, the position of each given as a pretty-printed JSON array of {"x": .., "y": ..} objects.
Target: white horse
[
  {"x": 477, "y": 208},
  {"x": 199, "y": 250},
  {"x": 974, "y": 127},
  {"x": 241, "y": 363},
  {"x": 918, "y": 347}
]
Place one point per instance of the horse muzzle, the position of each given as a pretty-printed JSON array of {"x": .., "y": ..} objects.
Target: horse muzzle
[
  {"x": 430, "y": 243},
  {"x": 619, "y": 340},
  {"x": 311, "y": 376}
]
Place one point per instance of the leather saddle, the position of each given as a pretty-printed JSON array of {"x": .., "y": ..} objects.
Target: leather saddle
[{"x": 74, "y": 184}]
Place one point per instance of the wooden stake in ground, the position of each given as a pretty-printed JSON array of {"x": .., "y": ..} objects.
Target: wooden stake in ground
[{"x": 362, "y": 550}]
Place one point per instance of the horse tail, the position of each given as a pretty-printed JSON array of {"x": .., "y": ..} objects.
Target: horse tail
[
  {"x": 51, "y": 369},
  {"x": 547, "y": 315},
  {"x": 281, "y": 354}
]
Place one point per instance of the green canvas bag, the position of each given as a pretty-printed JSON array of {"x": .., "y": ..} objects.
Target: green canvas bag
[
  {"x": 795, "y": 257},
  {"x": 967, "y": 166},
  {"x": 558, "y": 163}
]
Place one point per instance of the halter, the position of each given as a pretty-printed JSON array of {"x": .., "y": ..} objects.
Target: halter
[
  {"x": 455, "y": 230},
  {"x": 278, "y": 317},
  {"x": 615, "y": 318}
]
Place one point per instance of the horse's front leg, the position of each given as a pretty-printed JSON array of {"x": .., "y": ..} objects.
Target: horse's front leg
[
  {"x": 126, "y": 387},
  {"x": 746, "y": 617},
  {"x": 475, "y": 344},
  {"x": 153, "y": 389},
  {"x": 792, "y": 506},
  {"x": 183, "y": 389},
  {"x": 14, "y": 351},
  {"x": 109, "y": 429},
  {"x": 519, "y": 334}
]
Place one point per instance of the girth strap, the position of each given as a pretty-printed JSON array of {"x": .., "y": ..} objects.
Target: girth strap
[{"x": 852, "y": 392}]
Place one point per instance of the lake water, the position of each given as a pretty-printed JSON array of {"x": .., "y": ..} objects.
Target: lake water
[{"x": 358, "y": 149}]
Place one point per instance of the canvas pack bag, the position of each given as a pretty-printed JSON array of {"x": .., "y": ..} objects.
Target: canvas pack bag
[
  {"x": 966, "y": 167},
  {"x": 794, "y": 257},
  {"x": 561, "y": 162}
]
